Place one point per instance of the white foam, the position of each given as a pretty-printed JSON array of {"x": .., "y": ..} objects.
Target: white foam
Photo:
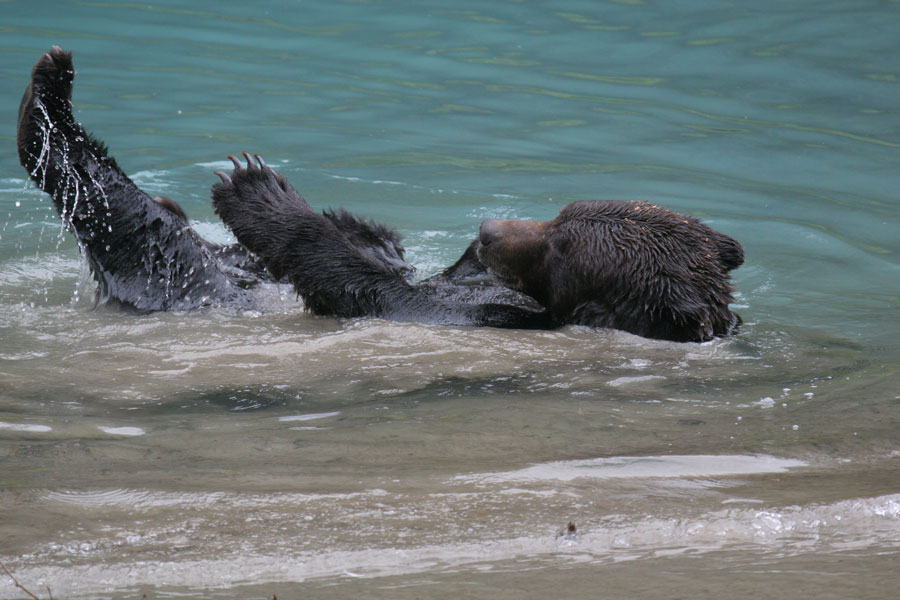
[
  {"x": 309, "y": 417},
  {"x": 620, "y": 381},
  {"x": 128, "y": 431},
  {"x": 646, "y": 466},
  {"x": 784, "y": 531},
  {"x": 25, "y": 427},
  {"x": 372, "y": 181},
  {"x": 219, "y": 165}
]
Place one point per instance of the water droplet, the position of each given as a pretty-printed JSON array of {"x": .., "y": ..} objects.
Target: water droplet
[{"x": 18, "y": 204}]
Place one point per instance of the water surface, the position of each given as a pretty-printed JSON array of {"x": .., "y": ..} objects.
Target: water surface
[{"x": 240, "y": 454}]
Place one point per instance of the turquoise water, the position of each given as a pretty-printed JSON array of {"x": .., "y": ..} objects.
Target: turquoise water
[{"x": 245, "y": 454}]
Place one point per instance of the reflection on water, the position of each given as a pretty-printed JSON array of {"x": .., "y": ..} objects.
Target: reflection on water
[{"x": 242, "y": 454}]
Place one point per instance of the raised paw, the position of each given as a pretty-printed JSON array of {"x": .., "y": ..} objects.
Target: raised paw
[
  {"x": 47, "y": 95},
  {"x": 254, "y": 187},
  {"x": 53, "y": 75},
  {"x": 45, "y": 127}
]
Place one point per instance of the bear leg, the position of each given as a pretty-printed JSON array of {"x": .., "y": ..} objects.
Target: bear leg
[{"x": 143, "y": 254}]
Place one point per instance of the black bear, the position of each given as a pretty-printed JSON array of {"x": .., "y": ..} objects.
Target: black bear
[{"x": 630, "y": 266}]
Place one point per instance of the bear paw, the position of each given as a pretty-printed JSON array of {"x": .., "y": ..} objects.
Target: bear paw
[
  {"x": 255, "y": 187},
  {"x": 52, "y": 76}
]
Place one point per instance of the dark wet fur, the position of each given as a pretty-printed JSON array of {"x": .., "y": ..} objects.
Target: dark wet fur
[
  {"x": 143, "y": 254},
  {"x": 632, "y": 266},
  {"x": 343, "y": 266}
]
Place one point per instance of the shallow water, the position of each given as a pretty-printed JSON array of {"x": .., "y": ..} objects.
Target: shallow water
[{"x": 244, "y": 454}]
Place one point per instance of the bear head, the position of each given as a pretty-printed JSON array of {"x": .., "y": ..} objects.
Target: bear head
[{"x": 633, "y": 266}]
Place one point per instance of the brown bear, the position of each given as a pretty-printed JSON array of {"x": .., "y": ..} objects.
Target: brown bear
[
  {"x": 633, "y": 266},
  {"x": 146, "y": 257}
]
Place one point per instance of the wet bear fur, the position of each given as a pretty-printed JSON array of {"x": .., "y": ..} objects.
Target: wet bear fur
[
  {"x": 632, "y": 266},
  {"x": 142, "y": 251},
  {"x": 343, "y": 266},
  {"x": 145, "y": 256}
]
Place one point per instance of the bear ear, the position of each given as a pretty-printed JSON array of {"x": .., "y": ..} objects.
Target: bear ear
[
  {"x": 731, "y": 253},
  {"x": 171, "y": 206}
]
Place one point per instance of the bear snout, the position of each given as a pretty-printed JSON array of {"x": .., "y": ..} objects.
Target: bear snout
[
  {"x": 490, "y": 231},
  {"x": 511, "y": 232}
]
